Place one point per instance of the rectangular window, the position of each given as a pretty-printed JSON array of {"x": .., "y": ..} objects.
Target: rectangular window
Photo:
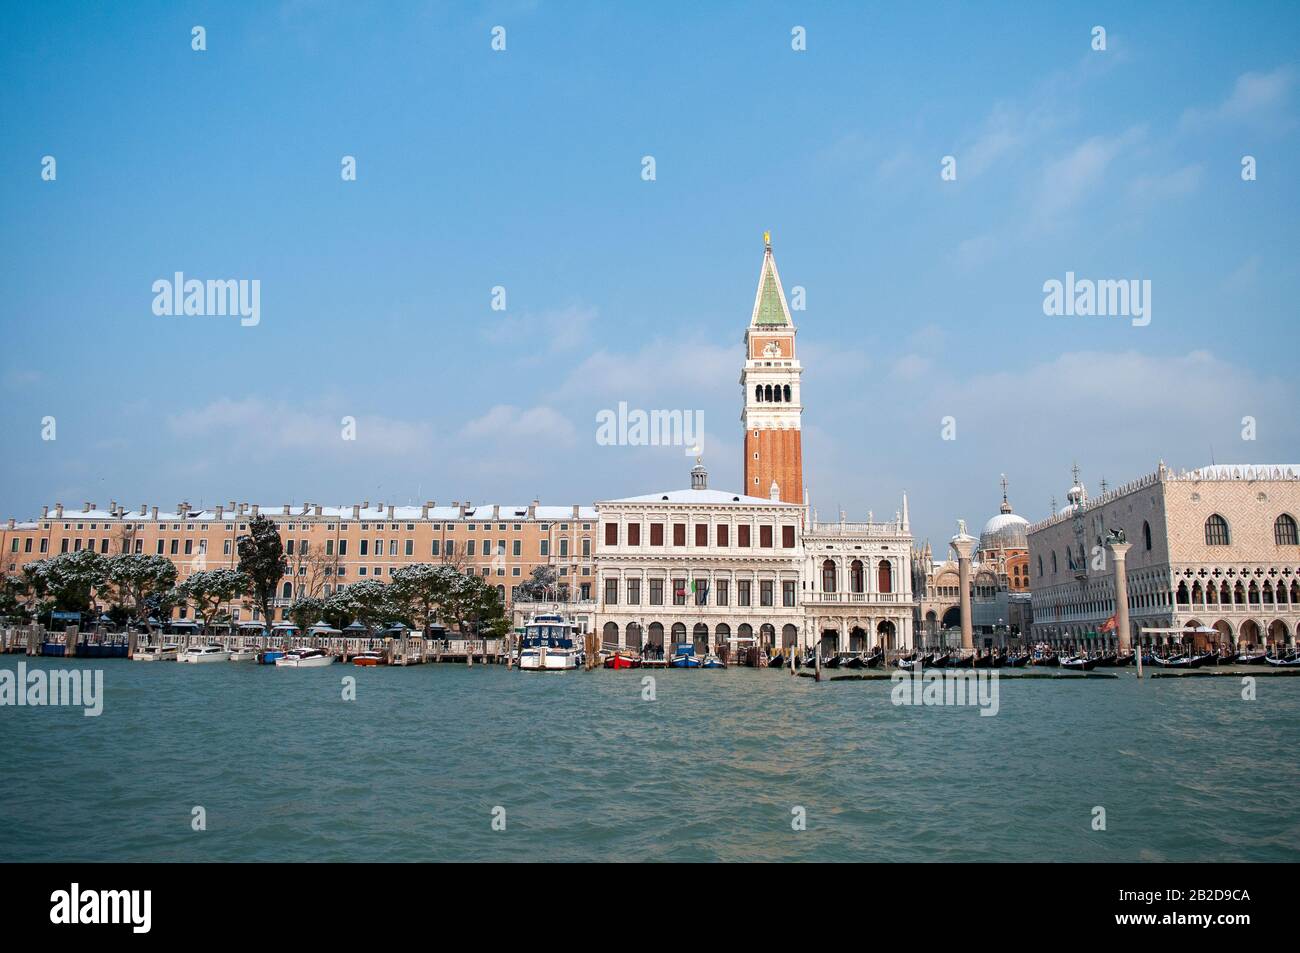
[
  {"x": 787, "y": 537},
  {"x": 765, "y": 592},
  {"x": 45, "y": 545},
  {"x": 701, "y": 592},
  {"x": 451, "y": 547},
  {"x": 742, "y": 535},
  {"x": 586, "y": 546},
  {"x": 516, "y": 547},
  {"x": 469, "y": 547},
  {"x": 611, "y": 592},
  {"x": 329, "y": 547},
  {"x": 175, "y": 546},
  {"x": 392, "y": 548},
  {"x": 76, "y": 545},
  {"x": 724, "y": 535},
  {"x": 545, "y": 547},
  {"x": 701, "y": 534},
  {"x": 434, "y": 549},
  {"x": 410, "y": 547},
  {"x": 585, "y": 591},
  {"x": 203, "y": 547},
  {"x": 288, "y": 548},
  {"x": 343, "y": 547},
  {"x": 656, "y": 534},
  {"x": 611, "y": 534},
  {"x": 189, "y": 547},
  {"x": 564, "y": 546},
  {"x": 365, "y": 547},
  {"x": 679, "y": 591},
  {"x": 634, "y": 592},
  {"x": 742, "y": 592},
  {"x": 787, "y": 594},
  {"x": 679, "y": 534},
  {"x": 160, "y": 546},
  {"x": 723, "y": 588},
  {"x": 765, "y": 537},
  {"x": 656, "y": 592}
]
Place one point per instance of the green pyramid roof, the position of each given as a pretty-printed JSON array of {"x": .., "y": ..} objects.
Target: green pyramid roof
[{"x": 771, "y": 310}]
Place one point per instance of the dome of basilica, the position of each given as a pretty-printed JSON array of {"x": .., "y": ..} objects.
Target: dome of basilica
[{"x": 1005, "y": 531}]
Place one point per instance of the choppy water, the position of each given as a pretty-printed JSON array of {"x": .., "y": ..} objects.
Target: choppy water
[{"x": 585, "y": 769}]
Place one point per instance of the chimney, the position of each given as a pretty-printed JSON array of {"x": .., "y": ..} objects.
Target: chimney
[
  {"x": 232, "y": 506},
  {"x": 319, "y": 509},
  {"x": 306, "y": 508},
  {"x": 390, "y": 511},
  {"x": 461, "y": 513},
  {"x": 112, "y": 507},
  {"x": 532, "y": 509},
  {"x": 154, "y": 517},
  {"x": 356, "y": 511},
  {"x": 365, "y": 505},
  {"x": 424, "y": 511},
  {"x": 12, "y": 521},
  {"x": 45, "y": 511},
  {"x": 576, "y": 510},
  {"x": 285, "y": 508},
  {"x": 86, "y": 507},
  {"x": 220, "y": 512},
  {"x": 496, "y": 511},
  {"x": 144, "y": 509},
  {"x": 58, "y": 510}
]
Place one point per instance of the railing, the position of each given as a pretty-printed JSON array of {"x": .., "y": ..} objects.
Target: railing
[{"x": 856, "y": 597}]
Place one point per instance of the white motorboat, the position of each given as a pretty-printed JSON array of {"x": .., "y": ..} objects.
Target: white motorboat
[
  {"x": 547, "y": 645},
  {"x": 204, "y": 653},
  {"x": 158, "y": 653},
  {"x": 304, "y": 658},
  {"x": 243, "y": 655}
]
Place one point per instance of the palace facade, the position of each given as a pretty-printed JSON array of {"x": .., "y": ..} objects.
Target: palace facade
[{"x": 1215, "y": 547}]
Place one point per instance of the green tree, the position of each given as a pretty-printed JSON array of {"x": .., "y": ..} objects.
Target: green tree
[
  {"x": 424, "y": 590},
  {"x": 68, "y": 579},
  {"x": 209, "y": 588},
  {"x": 306, "y": 611},
  {"x": 543, "y": 584},
  {"x": 261, "y": 560},
  {"x": 135, "y": 577}
]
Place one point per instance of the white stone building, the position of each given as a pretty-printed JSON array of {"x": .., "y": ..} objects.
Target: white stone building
[{"x": 1214, "y": 547}]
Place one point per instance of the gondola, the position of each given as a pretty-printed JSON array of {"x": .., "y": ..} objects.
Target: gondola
[
  {"x": 983, "y": 661},
  {"x": 967, "y": 662},
  {"x": 1108, "y": 661},
  {"x": 1017, "y": 661},
  {"x": 1290, "y": 661},
  {"x": 776, "y": 661},
  {"x": 875, "y": 661},
  {"x": 1050, "y": 661},
  {"x": 856, "y": 661},
  {"x": 1176, "y": 661},
  {"x": 1122, "y": 660},
  {"x": 835, "y": 661},
  {"x": 1079, "y": 664},
  {"x": 1247, "y": 659},
  {"x": 938, "y": 661}
]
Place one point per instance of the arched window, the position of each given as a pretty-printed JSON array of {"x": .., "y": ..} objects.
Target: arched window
[
  {"x": 828, "y": 576},
  {"x": 767, "y": 392},
  {"x": 787, "y": 393},
  {"x": 1040, "y": 565},
  {"x": 758, "y": 393},
  {"x": 856, "y": 576},
  {"x": 1146, "y": 534},
  {"x": 885, "y": 576},
  {"x": 1216, "y": 531},
  {"x": 1284, "y": 531},
  {"x": 776, "y": 393},
  {"x": 1053, "y": 562}
]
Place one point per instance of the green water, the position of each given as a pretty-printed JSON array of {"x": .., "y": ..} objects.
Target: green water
[{"x": 585, "y": 769}]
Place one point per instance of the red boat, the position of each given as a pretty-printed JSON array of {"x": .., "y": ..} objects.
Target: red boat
[
  {"x": 368, "y": 658},
  {"x": 622, "y": 660}
]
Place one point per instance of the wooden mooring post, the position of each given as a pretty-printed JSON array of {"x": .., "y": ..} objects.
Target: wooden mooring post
[{"x": 817, "y": 662}]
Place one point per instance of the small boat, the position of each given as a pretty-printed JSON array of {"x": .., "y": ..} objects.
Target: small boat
[
  {"x": 204, "y": 653},
  {"x": 1048, "y": 661},
  {"x": 1018, "y": 661},
  {"x": 1290, "y": 661},
  {"x": 367, "y": 659},
  {"x": 1079, "y": 664},
  {"x": 685, "y": 657},
  {"x": 712, "y": 661},
  {"x": 834, "y": 661},
  {"x": 1175, "y": 661},
  {"x": 1108, "y": 661},
  {"x": 938, "y": 661},
  {"x": 269, "y": 656},
  {"x": 304, "y": 658},
  {"x": 243, "y": 655},
  {"x": 159, "y": 653},
  {"x": 776, "y": 661},
  {"x": 622, "y": 660},
  {"x": 1245, "y": 658},
  {"x": 986, "y": 661},
  {"x": 547, "y": 645}
]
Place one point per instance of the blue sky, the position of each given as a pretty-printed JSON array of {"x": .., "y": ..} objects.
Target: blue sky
[{"x": 523, "y": 169}]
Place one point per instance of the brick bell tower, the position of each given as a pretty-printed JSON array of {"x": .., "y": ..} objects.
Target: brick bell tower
[{"x": 770, "y": 383}]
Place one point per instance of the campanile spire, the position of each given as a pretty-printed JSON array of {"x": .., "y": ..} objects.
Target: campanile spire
[{"x": 770, "y": 384}]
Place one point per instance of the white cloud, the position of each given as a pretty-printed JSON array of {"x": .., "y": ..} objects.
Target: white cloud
[
  {"x": 546, "y": 332},
  {"x": 1255, "y": 98},
  {"x": 541, "y": 426}
]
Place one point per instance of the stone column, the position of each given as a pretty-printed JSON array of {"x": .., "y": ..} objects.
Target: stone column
[
  {"x": 1118, "y": 552},
  {"x": 964, "y": 544}
]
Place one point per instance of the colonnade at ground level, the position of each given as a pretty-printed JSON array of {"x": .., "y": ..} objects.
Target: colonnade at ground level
[{"x": 834, "y": 635}]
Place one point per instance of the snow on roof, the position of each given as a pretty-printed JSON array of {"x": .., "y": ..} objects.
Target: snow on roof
[
  {"x": 377, "y": 513},
  {"x": 701, "y": 498}
]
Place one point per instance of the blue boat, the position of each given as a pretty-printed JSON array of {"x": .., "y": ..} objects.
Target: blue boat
[
  {"x": 269, "y": 656},
  {"x": 684, "y": 657},
  {"x": 712, "y": 661}
]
